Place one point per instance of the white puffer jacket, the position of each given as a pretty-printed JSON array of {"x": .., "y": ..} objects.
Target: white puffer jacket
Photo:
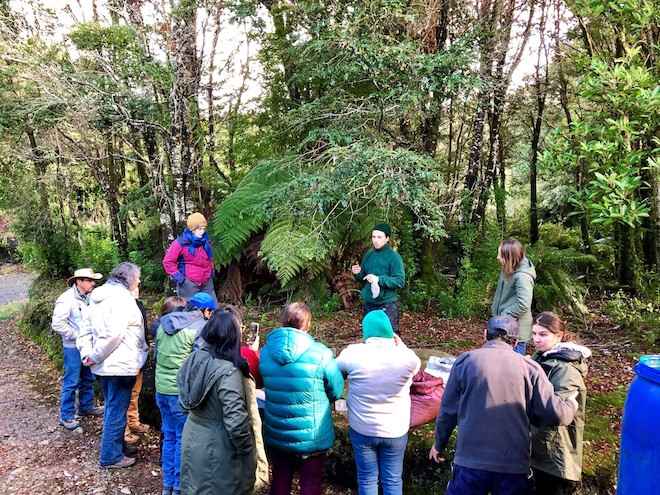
[{"x": 114, "y": 334}]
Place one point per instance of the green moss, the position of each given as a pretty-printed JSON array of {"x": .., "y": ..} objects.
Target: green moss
[{"x": 8, "y": 311}]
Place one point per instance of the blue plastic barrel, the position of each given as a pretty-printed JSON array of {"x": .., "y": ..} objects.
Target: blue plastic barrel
[{"x": 639, "y": 468}]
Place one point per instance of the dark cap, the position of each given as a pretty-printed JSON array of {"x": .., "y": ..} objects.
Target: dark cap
[
  {"x": 505, "y": 323},
  {"x": 384, "y": 228}
]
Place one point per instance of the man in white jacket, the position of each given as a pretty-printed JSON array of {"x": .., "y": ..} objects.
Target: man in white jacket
[
  {"x": 69, "y": 315},
  {"x": 114, "y": 346}
]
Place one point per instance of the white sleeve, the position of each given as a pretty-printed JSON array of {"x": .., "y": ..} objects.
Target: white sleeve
[{"x": 60, "y": 322}]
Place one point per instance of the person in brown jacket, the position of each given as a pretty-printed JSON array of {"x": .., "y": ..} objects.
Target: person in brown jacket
[{"x": 494, "y": 395}]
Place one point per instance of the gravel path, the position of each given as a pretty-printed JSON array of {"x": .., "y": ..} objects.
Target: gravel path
[{"x": 14, "y": 284}]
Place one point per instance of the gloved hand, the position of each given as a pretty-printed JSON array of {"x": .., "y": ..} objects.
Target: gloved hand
[{"x": 178, "y": 278}]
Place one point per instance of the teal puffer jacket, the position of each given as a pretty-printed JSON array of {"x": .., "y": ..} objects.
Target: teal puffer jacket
[{"x": 301, "y": 380}]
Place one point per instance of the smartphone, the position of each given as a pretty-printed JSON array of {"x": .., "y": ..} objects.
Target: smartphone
[{"x": 254, "y": 331}]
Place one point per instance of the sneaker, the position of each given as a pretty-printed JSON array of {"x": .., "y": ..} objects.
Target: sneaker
[
  {"x": 94, "y": 411},
  {"x": 70, "y": 424},
  {"x": 123, "y": 463},
  {"x": 176, "y": 492},
  {"x": 138, "y": 428},
  {"x": 166, "y": 491}
]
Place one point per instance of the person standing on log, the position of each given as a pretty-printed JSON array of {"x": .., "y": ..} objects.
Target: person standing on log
[{"x": 381, "y": 273}]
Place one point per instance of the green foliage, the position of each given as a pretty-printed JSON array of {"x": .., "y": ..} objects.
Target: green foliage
[
  {"x": 146, "y": 251},
  {"x": 96, "y": 250},
  {"x": 639, "y": 315}
]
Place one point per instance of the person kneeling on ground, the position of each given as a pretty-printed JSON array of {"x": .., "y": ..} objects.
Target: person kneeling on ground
[
  {"x": 494, "y": 395},
  {"x": 380, "y": 371}
]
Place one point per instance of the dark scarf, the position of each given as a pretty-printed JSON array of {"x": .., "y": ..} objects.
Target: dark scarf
[{"x": 188, "y": 239}]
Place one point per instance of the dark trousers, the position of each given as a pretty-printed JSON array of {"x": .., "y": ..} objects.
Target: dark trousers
[
  {"x": 547, "y": 484},
  {"x": 391, "y": 310},
  {"x": 468, "y": 481},
  {"x": 310, "y": 470}
]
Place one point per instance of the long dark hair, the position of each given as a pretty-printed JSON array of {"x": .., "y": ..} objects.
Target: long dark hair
[{"x": 222, "y": 333}]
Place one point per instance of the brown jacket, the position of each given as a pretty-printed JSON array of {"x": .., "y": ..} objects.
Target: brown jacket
[{"x": 494, "y": 396}]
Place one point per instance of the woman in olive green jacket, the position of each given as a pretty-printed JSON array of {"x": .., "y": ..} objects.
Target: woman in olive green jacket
[
  {"x": 557, "y": 451},
  {"x": 218, "y": 448},
  {"x": 515, "y": 289}
]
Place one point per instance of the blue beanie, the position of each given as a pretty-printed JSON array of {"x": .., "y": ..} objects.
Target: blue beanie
[
  {"x": 202, "y": 300},
  {"x": 377, "y": 324}
]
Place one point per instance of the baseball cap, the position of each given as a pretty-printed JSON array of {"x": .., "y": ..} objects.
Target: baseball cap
[
  {"x": 506, "y": 323},
  {"x": 202, "y": 300}
]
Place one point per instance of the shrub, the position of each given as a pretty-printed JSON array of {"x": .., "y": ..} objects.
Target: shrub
[{"x": 97, "y": 250}]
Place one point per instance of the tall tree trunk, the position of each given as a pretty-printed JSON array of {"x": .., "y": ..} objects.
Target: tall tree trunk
[
  {"x": 40, "y": 167},
  {"x": 115, "y": 177}
]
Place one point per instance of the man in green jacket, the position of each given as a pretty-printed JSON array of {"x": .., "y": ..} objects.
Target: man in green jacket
[{"x": 381, "y": 273}]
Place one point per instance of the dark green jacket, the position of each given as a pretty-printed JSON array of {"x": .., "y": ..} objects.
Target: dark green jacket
[
  {"x": 217, "y": 446},
  {"x": 514, "y": 295},
  {"x": 558, "y": 450},
  {"x": 387, "y": 265}
]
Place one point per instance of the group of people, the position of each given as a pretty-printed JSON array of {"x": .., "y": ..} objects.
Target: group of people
[{"x": 514, "y": 412}]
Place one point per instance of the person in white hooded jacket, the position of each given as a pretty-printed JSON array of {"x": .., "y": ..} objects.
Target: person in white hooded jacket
[
  {"x": 112, "y": 343},
  {"x": 380, "y": 371}
]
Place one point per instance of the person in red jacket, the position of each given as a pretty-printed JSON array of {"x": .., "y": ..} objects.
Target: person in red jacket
[{"x": 189, "y": 260}]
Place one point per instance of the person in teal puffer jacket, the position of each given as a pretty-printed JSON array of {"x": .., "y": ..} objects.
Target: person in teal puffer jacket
[{"x": 301, "y": 380}]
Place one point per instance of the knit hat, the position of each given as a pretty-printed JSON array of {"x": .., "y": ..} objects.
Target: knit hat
[
  {"x": 195, "y": 221},
  {"x": 377, "y": 324},
  {"x": 202, "y": 300},
  {"x": 384, "y": 228}
]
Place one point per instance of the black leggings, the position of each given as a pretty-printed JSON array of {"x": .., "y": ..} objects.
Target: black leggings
[{"x": 547, "y": 484}]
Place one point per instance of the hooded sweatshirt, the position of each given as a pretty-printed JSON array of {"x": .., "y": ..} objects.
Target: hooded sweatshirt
[
  {"x": 114, "y": 336},
  {"x": 301, "y": 379},
  {"x": 558, "y": 450},
  {"x": 513, "y": 297},
  {"x": 175, "y": 340}
]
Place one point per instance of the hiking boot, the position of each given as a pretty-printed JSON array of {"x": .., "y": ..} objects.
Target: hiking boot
[
  {"x": 176, "y": 492},
  {"x": 138, "y": 428},
  {"x": 129, "y": 438},
  {"x": 94, "y": 411},
  {"x": 123, "y": 463},
  {"x": 130, "y": 450},
  {"x": 70, "y": 424},
  {"x": 166, "y": 491}
]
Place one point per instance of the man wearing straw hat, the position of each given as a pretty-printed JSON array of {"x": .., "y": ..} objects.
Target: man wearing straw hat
[{"x": 69, "y": 315}]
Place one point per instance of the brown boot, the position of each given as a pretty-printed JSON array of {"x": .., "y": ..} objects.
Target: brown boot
[
  {"x": 130, "y": 438},
  {"x": 138, "y": 428}
]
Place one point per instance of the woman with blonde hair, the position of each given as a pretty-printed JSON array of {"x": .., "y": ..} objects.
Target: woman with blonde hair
[
  {"x": 557, "y": 451},
  {"x": 515, "y": 289}
]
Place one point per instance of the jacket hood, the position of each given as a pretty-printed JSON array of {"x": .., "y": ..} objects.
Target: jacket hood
[
  {"x": 286, "y": 345},
  {"x": 196, "y": 378},
  {"x": 527, "y": 267},
  {"x": 568, "y": 351},
  {"x": 106, "y": 291},
  {"x": 173, "y": 322}
]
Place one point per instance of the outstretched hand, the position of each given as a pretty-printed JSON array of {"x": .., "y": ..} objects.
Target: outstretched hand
[{"x": 356, "y": 269}]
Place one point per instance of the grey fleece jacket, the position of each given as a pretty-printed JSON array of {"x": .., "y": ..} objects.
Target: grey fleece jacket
[{"x": 493, "y": 395}]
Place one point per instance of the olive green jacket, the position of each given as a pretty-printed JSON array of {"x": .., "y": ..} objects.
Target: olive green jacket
[
  {"x": 558, "y": 450},
  {"x": 217, "y": 445},
  {"x": 513, "y": 297}
]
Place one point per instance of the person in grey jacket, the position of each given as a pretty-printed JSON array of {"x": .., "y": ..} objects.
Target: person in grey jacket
[
  {"x": 69, "y": 315},
  {"x": 494, "y": 395},
  {"x": 515, "y": 289}
]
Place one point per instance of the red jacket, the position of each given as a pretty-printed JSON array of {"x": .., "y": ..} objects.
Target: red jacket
[{"x": 197, "y": 268}]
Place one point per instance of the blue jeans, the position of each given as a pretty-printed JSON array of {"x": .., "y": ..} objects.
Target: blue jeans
[
  {"x": 76, "y": 377},
  {"x": 378, "y": 459},
  {"x": 173, "y": 420},
  {"x": 117, "y": 393},
  {"x": 521, "y": 348},
  {"x": 468, "y": 481}
]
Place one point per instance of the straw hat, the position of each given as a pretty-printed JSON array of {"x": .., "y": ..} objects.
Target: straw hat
[{"x": 84, "y": 273}]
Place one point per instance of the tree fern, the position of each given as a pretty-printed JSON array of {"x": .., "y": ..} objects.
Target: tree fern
[
  {"x": 245, "y": 211},
  {"x": 290, "y": 248}
]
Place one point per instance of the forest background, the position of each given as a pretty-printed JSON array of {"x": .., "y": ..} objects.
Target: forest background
[{"x": 296, "y": 125}]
